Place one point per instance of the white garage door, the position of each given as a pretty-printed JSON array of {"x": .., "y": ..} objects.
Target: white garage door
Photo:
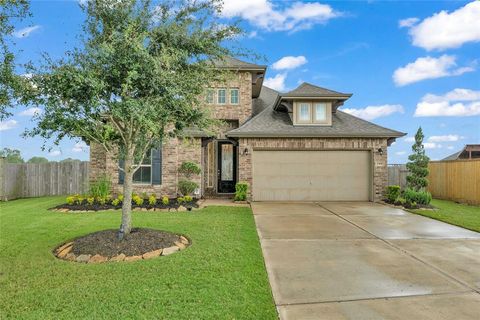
[{"x": 311, "y": 175}]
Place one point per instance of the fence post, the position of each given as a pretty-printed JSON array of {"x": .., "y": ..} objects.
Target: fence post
[{"x": 3, "y": 196}]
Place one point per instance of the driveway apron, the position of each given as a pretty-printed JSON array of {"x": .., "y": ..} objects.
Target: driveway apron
[{"x": 360, "y": 260}]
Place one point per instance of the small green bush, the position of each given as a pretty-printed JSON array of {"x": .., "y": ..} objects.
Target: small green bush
[
  {"x": 120, "y": 197},
  {"x": 187, "y": 187},
  {"x": 80, "y": 199},
  {"x": 188, "y": 198},
  {"x": 116, "y": 202},
  {"x": 241, "y": 189},
  {"x": 189, "y": 169},
  {"x": 100, "y": 188},
  {"x": 392, "y": 193},
  {"x": 420, "y": 197},
  {"x": 152, "y": 200},
  {"x": 71, "y": 200},
  {"x": 137, "y": 200},
  {"x": 102, "y": 200},
  {"x": 180, "y": 200},
  {"x": 399, "y": 201},
  {"x": 90, "y": 200},
  {"x": 165, "y": 200}
]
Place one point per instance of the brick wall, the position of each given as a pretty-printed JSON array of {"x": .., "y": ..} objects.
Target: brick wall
[
  {"x": 174, "y": 152},
  {"x": 379, "y": 161},
  {"x": 241, "y": 111}
]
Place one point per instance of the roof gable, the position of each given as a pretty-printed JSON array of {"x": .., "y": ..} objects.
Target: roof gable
[{"x": 310, "y": 90}]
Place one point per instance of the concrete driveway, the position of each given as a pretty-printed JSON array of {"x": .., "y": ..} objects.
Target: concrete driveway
[{"x": 367, "y": 261}]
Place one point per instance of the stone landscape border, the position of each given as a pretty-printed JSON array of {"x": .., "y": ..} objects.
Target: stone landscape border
[{"x": 64, "y": 252}]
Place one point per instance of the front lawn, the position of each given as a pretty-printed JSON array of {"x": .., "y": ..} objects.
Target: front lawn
[
  {"x": 221, "y": 276},
  {"x": 458, "y": 214}
]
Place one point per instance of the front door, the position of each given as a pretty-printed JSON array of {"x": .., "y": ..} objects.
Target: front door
[{"x": 227, "y": 167}]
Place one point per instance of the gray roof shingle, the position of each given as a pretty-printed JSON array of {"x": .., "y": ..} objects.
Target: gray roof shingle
[
  {"x": 233, "y": 63},
  {"x": 310, "y": 90},
  {"x": 271, "y": 123}
]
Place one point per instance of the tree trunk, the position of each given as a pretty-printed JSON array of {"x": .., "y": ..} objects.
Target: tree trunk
[{"x": 126, "y": 225}]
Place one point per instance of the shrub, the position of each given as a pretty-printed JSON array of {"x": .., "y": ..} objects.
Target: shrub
[
  {"x": 137, "y": 200},
  {"x": 392, "y": 193},
  {"x": 100, "y": 188},
  {"x": 188, "y": 199},
  {"x": 420, "y": 197},
  {"x": 102, "y": 200},
  {"x": 399, "y": 201},
  {"x": 187, "y": 187},
  {"x": 90, "y": 200},
  {"x": 152, "y": 200},
  {"x": 80, "y": 199},
  {"x": 241, "y": 189},
  {"x": 165, "y": 200},
  {"x": 116, "y": 202},
  {"x": 71, "y": 200},
  {"x": 188, "y": 169},
  {"x": 180, "y": 200},
  {"x": 120, "y": 197}
]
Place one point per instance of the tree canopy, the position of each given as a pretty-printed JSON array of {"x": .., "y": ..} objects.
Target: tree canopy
[
  {"x": 138, "y": 78},
  {"x": 11, "y": 155},
  {"x": 37, "y": 160}
]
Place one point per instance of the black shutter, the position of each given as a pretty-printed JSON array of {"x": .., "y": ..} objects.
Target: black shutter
[
  {"x": 121, "y": 174},
  {"x": 157, "y": 165}
]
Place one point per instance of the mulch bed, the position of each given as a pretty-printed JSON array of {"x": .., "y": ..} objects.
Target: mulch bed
[
  {"x": 172, "y": 206},
  {"x": 104, "y": 246},
  {"x": 138, "y": 242}
]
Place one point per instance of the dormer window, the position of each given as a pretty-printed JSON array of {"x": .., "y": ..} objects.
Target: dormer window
[{"x": 312, "y": 113}]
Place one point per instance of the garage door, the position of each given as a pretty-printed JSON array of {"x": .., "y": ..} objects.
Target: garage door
[{"x": 311, "y": 175}]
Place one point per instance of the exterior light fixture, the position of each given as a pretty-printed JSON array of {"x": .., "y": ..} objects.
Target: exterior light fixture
[
  {"x": 245, "y": 152},
  {"x": 380, "y": 150}
]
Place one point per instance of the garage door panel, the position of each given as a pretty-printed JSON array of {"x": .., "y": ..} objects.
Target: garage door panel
[{"x": 311, "y": 175}]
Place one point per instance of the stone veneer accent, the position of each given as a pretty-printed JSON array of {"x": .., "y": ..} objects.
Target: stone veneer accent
[
  {"x": 379, "y": 161},
  {"x": 241, "y": 111},
  {"x": 174, "y": 153}
]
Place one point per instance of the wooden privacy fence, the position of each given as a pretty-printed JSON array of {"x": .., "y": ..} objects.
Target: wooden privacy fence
[
  {"x": 45, "y": 179},
  {"x": 397, "y": 175},
  {"x": 457, "y": 180}
]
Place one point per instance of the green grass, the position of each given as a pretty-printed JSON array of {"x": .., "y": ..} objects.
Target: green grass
[
  {"x": 461, "y": 215},
  {"x": 221, "y": 276}
]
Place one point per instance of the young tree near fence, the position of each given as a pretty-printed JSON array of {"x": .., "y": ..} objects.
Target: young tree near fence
[
  {"x": 137, "y": 80},
  {"x": 418, "y": 164}
]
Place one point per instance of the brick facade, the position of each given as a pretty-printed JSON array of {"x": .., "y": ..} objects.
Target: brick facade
[
  {"x": 241, "y": 111},
  {"x": 379, "y": 173},
  {"x": 174, "y": 153}
]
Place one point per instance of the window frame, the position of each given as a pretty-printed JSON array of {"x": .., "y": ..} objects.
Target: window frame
[
  {"x": 218, "y": 96},
  {"x": 312, "y": 112},
  {"x": 210, "y": 91},
  {"x": 144, "y": 165},
  {"x": 238, "y": 96}
]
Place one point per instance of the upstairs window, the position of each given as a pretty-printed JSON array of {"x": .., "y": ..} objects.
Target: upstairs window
[
  {"x": 234, "y": 96},
  {"x": 210, "y": 96},
  {"x": 222, "y": 96},
  {"x": 312, "y": 113}
]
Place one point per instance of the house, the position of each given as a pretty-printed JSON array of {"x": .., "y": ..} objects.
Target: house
[
  {"x": 294, "y": 146},
  {"x": 470, "y": 151}
]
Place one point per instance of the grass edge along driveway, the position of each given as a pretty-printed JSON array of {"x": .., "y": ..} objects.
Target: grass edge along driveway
[
  {"x": 462, "y": 215},
  {"x": 221, "y": 276}
]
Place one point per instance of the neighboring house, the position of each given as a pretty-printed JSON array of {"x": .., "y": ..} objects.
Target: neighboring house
[
  {"x": 470, "y": 151},
  {"x": 288, "y": 146}
]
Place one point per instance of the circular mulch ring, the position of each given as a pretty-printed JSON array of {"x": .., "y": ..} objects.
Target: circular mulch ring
[{"x": 103, "y": 246}]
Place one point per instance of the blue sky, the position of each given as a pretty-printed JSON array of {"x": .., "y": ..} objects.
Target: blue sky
[{"x": 408, "y": 64}]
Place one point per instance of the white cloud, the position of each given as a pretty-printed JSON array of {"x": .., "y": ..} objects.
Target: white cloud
[
  {"x": 446, "y": 30},
  {"x": 400, "y": 153},
  {"x": 455, "y": 103},
  {"x": 445, "y": 138},
  {"x": 432, "y": 145},
  {"x": 8, "y": 124},
  {"x": 252, "y": 34},
  {"x": 407, "y": 23},
  {"x": 277, "y": 82},
  {"x": 450, "y": 147},
  {"x": 55, "y": 153},
  {"x": 373, "y": 112},
  {"x": 80, "y": 147},
  {"x": 428, "y": 68},
  {"x": 30, "y": 112},
  {"x": 409, "y": 139},
  {"x": 267, "y": 15},
  {"x": 289, "y": 62},
  {"x": 25, "y": 32}
]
